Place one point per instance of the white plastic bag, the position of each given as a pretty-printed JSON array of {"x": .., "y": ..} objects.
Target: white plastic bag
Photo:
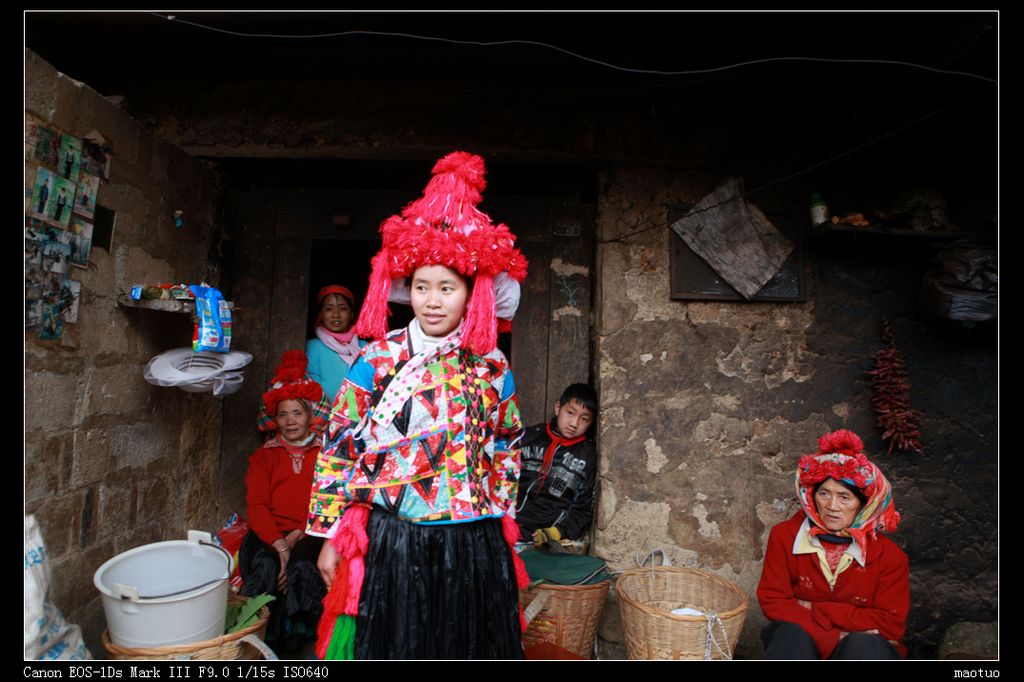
[{"x": 48, "y": 636}]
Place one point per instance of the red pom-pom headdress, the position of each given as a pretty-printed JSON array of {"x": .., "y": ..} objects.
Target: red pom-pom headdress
[
  {"x": 841, "y": 457},
  {"x": 444, "y": 227},
  {"x": 291, "y": 383}
]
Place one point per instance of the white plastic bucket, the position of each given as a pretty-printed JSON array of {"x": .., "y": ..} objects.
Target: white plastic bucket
[{"x": 165, "y": 593}]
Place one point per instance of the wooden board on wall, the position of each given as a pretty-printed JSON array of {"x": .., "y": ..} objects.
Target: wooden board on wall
[
  {"x": 530, "y": 334},
  {"x": 571, "y": 271},
  {"x": 290, "y": 292},
  {"x": 250, "y": 261}
]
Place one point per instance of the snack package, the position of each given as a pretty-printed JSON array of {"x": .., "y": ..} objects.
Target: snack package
[
  {"x": 230, "y": 537},
  {"x": 213, "y": 330}
]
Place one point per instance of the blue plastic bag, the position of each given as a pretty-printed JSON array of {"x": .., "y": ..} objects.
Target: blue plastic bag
[{"x": 213, "y": 331}]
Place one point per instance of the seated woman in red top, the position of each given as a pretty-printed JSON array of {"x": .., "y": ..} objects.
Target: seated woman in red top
[
  {"x": 277, "y": 557},
  {"x": 831, "y": 585}
]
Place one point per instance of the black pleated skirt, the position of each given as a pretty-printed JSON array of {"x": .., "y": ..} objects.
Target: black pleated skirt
[
  {"x": 303, "y": 602},
  {"x": 437, "y": 592}
]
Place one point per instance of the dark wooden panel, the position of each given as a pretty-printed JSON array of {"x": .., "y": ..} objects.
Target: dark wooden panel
[
  {"x": 572, "y": 261},
  {"x": 530, "y": 334},
  {"x": 289, "y": 296},
  {"x": 250, "y": 262}
]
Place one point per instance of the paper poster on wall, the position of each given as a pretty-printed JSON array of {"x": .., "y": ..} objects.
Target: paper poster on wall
[
  {"x": 85, "y": 196},
  {"x": 56, "y": 248},
  {"x": 35, "y": 275},
  {"x": 45, "y": 144},
  {"x": 41, "y": 192},
  {"x": 81, "y": 241},
  {"x": 51, "y": 325},
  {"x": 35, "y": 234},
  {"x": 70, "y": 292},
  {"x": 69, "y": 161},
  {"x": 95, "y": 155},
  {"x": 52, "y": 198},
  {"x": 31, "y": 137},
  {"x": 33, "y": 312}
]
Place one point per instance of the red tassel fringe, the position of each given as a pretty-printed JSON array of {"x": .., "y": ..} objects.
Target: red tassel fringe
[
  {"x": 373, "y": 317},
  {"x": 351, "y": 543},
  {"x": 510, "y": 530},
  {"x": 479, "y": 326}
]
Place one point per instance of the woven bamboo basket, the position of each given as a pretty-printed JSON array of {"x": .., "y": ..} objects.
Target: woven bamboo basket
[
  {"x": 225, "y": 647},
  {"x": 569, "y": 619},
  {"x": 647, "y": 597}
]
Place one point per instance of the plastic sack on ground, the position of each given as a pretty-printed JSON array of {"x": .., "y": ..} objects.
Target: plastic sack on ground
[{"x": 48, "y": 636}]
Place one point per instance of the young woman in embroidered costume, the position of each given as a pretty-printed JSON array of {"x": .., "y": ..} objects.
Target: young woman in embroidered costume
[
  {"x": 276, "y": 556},
  {"x": 834, "y": 587},
  {"x": 336, "y": 345},
  {"x": 416, "y": 485}
]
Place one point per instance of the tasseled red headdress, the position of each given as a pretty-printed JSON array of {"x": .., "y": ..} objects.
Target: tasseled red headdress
[
  {"x": 444, "y": 227},
  {"x": 841, "y": 457},
  {"x": 291, "y": 383}
]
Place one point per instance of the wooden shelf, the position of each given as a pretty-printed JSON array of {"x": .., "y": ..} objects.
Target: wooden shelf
[
  {"x": 167, "y": 305},
  {"x": 829, "y": 228}
]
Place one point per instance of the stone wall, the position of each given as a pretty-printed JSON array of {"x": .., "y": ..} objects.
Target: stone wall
[
  {"x": 706, "y": 406},
  {"x": 112, "y": 462}
]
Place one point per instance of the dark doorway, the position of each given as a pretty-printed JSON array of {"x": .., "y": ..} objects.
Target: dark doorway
[{"x": 345, "y": 262}]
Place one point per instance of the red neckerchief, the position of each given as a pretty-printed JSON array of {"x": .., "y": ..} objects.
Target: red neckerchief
[
  {"x": 297, "y": 453},
  {"x": 833, "y": 553},
  {"x": 549, "y": 454}
]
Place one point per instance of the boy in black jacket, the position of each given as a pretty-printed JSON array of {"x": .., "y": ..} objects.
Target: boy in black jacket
[{"x": 559, "y": 471}]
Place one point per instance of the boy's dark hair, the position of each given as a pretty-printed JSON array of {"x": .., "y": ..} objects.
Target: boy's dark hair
[{"x": 581, "y": 393}]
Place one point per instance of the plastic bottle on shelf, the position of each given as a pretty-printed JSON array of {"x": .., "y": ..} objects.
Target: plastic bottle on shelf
[{"x": 819, "y": 210}]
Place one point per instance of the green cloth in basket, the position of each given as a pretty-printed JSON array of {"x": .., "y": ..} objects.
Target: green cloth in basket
[{"x": 563, "y": 569}]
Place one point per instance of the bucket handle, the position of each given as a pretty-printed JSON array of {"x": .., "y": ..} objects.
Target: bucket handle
[{"x": 137, "y": 597}]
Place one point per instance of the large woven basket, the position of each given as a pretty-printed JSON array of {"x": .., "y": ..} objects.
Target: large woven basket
[
  {"x": 569, "y": 619},
  {"x": 648, "y": 595},
  {"x": 225, "y": 647}
]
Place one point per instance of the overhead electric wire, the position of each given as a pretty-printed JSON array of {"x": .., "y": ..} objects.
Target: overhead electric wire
[{"x": 576, "y": 55}]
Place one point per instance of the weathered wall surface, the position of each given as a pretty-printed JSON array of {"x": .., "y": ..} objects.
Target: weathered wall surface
[
  {"x": 112, "y": 462},
  {"x": 706, "y": 406}
]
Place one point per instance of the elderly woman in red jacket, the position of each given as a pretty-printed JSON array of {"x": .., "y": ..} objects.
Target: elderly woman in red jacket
[
  {"x": 831, "y": 585},
  {"x": 277, "y": 557}
]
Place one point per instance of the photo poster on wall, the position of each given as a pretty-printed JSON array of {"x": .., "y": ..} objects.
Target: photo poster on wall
[
  {"x": 34, "y": 236},
  {"x": 60, "y": 211},
  {"x": 42, "y": 144},
  {"x": 51, "y": 324},
  {"x": 70, "y": 292},
  {"x": 56, "y": 249},
  {"x": 85, "y": 196},
  {"x": 69, "y": 160},
  {"x": 80, "y": 233},
  {"x": 96, "y": 156},
  {"x": 52, "y": 198}
]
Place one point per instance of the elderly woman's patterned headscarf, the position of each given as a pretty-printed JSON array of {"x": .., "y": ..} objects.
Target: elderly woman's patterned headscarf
[
  {"x": 841, "y": 457},
  {"x": 291, "y": 383}
]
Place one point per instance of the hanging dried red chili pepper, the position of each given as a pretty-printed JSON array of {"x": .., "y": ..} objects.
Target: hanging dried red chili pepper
[{"x": 900, "y": 424}]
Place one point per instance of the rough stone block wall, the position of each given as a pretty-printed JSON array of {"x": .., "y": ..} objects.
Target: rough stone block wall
[
  {"x": 112, "y": 462},
  {"x": 706, "y": 407}
]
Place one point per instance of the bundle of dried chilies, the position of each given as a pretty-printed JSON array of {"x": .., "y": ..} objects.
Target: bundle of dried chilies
[{"x": 900, "y": 424}]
